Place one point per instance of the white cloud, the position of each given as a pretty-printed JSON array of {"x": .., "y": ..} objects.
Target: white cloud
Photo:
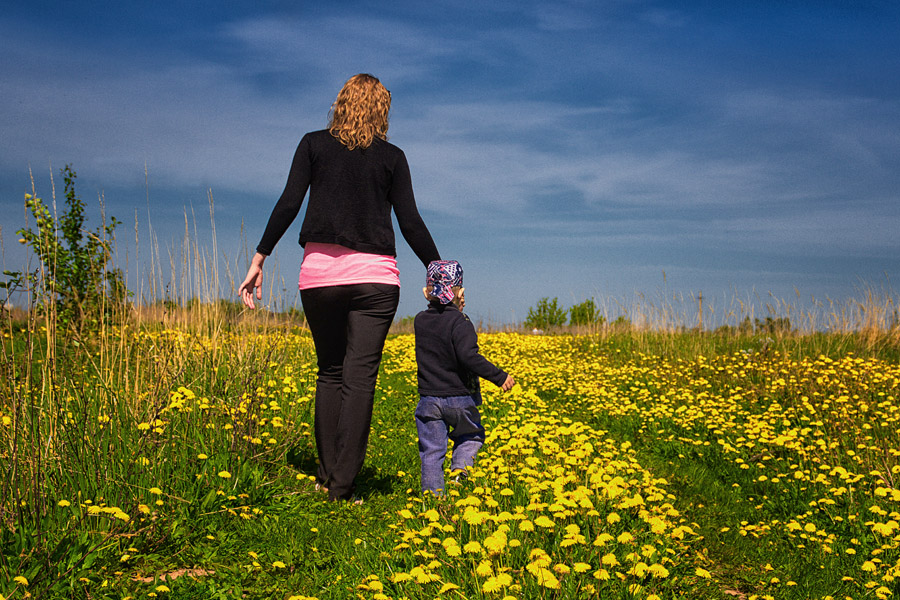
[{"x": 338, "y": 47}]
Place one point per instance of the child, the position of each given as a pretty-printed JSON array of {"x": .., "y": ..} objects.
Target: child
[{"x": 449, "y": 366}]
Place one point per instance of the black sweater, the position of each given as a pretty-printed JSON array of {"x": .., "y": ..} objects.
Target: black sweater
[
  {"x": 447, "y": 354},
  {"x": 351, "y": 196}
]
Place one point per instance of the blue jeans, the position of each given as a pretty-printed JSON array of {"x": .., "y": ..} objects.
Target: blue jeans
[{"x": 439, "y": 419}]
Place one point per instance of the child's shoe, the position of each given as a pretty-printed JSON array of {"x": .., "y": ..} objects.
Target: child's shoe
[{"x": 459, "y": 476}]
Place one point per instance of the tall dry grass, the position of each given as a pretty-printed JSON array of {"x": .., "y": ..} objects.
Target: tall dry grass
[
  {"x": 85, "y": 410},
  {"x": 698, "y": 324}
]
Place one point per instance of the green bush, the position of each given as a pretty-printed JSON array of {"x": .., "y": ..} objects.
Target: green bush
[
  {"x": 585, "y": 313},
  {"x": 546, "y": 314},
  {"x": 75, "y": 282}
]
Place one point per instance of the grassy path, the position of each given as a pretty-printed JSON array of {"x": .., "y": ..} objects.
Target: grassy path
[{"x": 183, "y": 469}]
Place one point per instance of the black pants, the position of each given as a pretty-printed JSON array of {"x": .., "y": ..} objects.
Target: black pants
[{"x": 349, "y": 324}]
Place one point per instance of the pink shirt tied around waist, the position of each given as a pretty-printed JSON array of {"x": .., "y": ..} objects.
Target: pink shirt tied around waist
[{"x": 331, "y": 264}]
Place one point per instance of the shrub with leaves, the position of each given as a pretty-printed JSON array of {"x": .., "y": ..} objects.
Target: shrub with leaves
[
  {"x": 547, "y": 313},
  {"x": 585, "y": 313},
  {"x": 76, "y": 282}
]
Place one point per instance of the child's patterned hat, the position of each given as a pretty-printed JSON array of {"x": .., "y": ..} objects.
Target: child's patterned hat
[{"x": 443, "y": 276}]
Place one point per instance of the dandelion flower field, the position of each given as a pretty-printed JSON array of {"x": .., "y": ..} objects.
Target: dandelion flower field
[{"x": 177, "y": 463}]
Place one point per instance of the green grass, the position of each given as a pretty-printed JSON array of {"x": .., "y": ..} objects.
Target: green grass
[{"x": 104, "y": 422}]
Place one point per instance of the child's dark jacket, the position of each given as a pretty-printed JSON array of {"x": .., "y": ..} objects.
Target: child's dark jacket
[{"x": 447, "y": 354}]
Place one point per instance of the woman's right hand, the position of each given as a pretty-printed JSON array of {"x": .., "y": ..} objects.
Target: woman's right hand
[{"x": 253, "y": 281}]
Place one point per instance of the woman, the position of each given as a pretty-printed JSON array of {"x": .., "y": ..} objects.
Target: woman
[{"x": 349, "y": 282}]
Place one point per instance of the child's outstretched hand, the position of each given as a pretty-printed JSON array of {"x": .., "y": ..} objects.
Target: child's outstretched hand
[{"x": 508, "y": 384}]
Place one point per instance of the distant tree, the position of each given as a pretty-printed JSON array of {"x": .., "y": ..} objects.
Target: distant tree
[
  {"x": 406, "y": 321},
  {"x": 296, "y": 314},
  {"x": 547, "y": 313},
  {"x": 230, "y": 308},
  {"x": 585, "y": 313},
  {"x": 773, "y": 325},
  {"x": 622, "y": 322}
]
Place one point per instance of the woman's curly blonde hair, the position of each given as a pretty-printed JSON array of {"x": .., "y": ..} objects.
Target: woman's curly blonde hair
[{"x": 360, "y": 113}]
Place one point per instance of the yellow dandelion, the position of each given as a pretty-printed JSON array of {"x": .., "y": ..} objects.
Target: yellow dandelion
[
  {"x": 544, "y": 521},
  {"x": 64, "y": 503},
  {"x": 224, "y": 474},
  {"x": 545, "y": 577},
  {"x": 883, "y": 592},
  {"x": 475, "y": 517},
  {"x": 20, "y": 580},
  {"x": 495, "y": 543},
  {"x": 484, "y": 568},
  {"x": 885, "y": 529},
  {"x": 624, "y": 537},
  {"x": 421, "y": 576},
  {"x": 657, "y": 525},
  {"x": 609, "y": 560},
  {"x": 638, "y": 570},
  {"x": 432, "y": 515},
  {"x": 539, "y": 558},
  {"x": 657, "y": 570},
  {"x": 491, "y": 585}
]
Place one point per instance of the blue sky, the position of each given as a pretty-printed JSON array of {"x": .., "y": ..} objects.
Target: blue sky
[{"x": 607, "y": 149}]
